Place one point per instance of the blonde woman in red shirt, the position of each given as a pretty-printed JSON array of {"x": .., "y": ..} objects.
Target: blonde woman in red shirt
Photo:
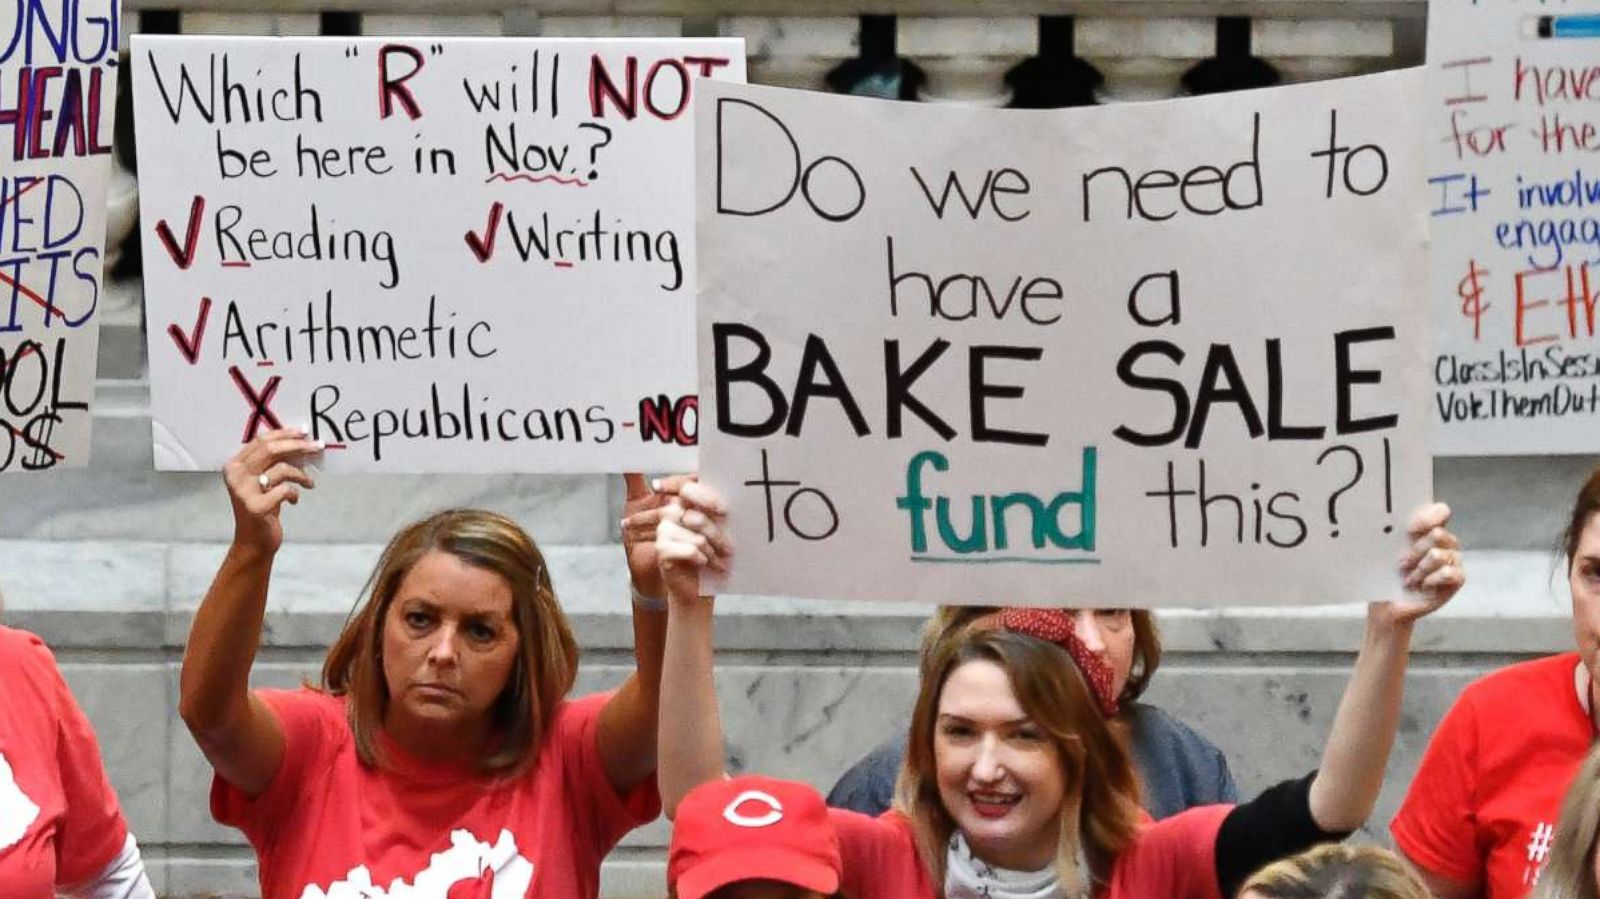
[
  {"x": 440, "y": 756},
  {"x": 1015, "y": 786}
]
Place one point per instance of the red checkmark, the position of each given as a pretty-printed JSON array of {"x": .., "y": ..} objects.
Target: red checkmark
[
  {"x": 190, "y": 346},
  {"x": 185, "y": 257},
  {"x": 483, "y": 247}
]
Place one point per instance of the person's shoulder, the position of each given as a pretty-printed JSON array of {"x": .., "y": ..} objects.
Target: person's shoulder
[
  {"x": 309, "y": 712},
  {"x": 1512, "y": 682},
  {"x": 22, "y": 647},
  {"x": 307, "y": 698},
  {"x": 24, "y": 658},
  {"x": 572, "y": 710},
  {"x": 1158, "y": 721}
]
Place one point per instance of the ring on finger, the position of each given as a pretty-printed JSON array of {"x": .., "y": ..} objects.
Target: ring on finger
[{"x": 264, "y": 481}]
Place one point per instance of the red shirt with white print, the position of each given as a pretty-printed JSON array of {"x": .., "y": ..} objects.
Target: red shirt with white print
[
  {"x": 329, "y": 826},
  {"x": 60, "y": 824},
  {"x": 1485, "y": 802},
  {"x": 1174, "y": 858}
]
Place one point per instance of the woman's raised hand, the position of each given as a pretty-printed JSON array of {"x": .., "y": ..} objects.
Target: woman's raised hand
[
  {"x": 263, "y": 475},
  {"x": 641, "y": 513},
  {"x": 690, "y": 538},
  {"x": 1431, "y": 569}
]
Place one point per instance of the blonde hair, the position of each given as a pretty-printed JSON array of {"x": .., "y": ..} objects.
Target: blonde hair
[
  {"x": 1570, "y": 873},
  {"x": 547, "y": 654},
  {"x": 1100, "y": 805},
  {"x": 1336, "y": 871}
]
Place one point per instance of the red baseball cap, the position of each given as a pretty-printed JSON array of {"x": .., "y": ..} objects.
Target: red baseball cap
[{"x": 752, "y": 828}]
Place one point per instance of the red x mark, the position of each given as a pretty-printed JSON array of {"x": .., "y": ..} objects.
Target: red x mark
[{"x": 260, "y": 403}]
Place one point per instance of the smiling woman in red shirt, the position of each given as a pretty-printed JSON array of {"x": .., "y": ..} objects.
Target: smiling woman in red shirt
[
  {"x": 1015, "y": 784},
  {"x": 440, "y": 756}
]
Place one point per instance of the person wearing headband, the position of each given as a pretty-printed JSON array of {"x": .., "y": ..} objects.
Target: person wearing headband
[
  {"x": 1015, "y": 785},
  {"x": 1178, "y": 767},
  {"x": 753, "y": 838}
]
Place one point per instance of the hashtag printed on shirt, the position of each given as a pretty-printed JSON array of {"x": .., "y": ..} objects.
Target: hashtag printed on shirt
[{"x": 1538, "y": 852}]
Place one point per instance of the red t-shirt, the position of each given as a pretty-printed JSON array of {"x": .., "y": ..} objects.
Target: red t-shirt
[
  {"x": 329, "y": 826},
  {"x": 1485, "y": 801},
  {"x": 60, "y": 823},
  {"x": 1170, "y": 859}
]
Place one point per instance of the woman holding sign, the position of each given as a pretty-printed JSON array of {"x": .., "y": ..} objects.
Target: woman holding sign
[
  {"x": 1481, "y": 814},
  {"x": 1015, "y": 784},
  {"x": 441, "y": 750}
]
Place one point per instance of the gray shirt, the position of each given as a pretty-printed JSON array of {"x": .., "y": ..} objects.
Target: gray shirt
[{"x": 1178, "y": 768}]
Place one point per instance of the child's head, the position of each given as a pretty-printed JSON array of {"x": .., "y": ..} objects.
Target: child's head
[{"x": 752, "y": 837}]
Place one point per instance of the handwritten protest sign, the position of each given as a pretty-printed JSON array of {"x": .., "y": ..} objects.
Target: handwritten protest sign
[
  {"x": 58, "y": 77},
  {"x": 1166, "y": 353},
  {"x": 1512, "y": 129},
  {"x": 434, "y": 255}
]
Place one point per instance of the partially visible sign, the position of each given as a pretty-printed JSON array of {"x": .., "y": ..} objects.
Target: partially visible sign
[{"x": 58, "y": 84}]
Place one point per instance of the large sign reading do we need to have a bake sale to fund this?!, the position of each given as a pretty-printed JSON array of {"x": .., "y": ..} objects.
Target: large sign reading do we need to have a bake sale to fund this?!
[
  {"x": 432, "y": 254},
  {"x": 1153, "y": 354}
]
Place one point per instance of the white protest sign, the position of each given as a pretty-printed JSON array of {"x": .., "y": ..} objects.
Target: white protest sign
[
  {"x": 1156, "y": 354},
  {"x": 1512, "y": 130},
  {"x": 58, "y": 85},
  {"x": 434, "y": 255}
]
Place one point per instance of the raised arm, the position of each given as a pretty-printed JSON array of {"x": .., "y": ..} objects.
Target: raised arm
[
  {"x": 689, "y": 540},
  {"x": 1295, "y": 815},
  {"x": 627, "y": 732},
  {"x": 1347, "y": 784},
  {"x": 240, "y": 736}
]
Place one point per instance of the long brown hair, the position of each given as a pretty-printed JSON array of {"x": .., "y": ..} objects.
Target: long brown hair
[
  {"x": 547, "y": 654},
  {"x": 1100, "y": 806}
]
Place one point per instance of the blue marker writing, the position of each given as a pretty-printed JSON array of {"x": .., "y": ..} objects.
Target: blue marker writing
[{"x": 1561, "y": 26}]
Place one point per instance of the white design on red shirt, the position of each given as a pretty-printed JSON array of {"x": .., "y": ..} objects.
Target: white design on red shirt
[
  {"x": 469, "y": 869},
  {"x": 17, "y": 811},
  {"x": 1538, "y": 852}
]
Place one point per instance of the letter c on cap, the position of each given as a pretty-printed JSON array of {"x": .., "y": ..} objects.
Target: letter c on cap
[{"x": 738, "y": 819}]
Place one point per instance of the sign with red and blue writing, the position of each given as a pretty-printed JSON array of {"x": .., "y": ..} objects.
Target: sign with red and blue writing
[
  {"x": 58, "y": 78},
  {"x": 433, "y": 254}
]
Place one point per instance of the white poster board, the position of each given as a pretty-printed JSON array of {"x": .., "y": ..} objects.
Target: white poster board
[
  {"x": 1155, "y": 354},
  {"x": 58, "y": 86},
  {"x": 440, "y": 254},
  {"x": 1514, "y": 195}
]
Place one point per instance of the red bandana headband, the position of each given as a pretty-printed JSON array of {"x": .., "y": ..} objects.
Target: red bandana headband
[{"x": 1056, "y": 626}]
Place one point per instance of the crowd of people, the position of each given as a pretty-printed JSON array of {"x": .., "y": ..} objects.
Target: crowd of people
[{"x": 443, "y": 751}]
